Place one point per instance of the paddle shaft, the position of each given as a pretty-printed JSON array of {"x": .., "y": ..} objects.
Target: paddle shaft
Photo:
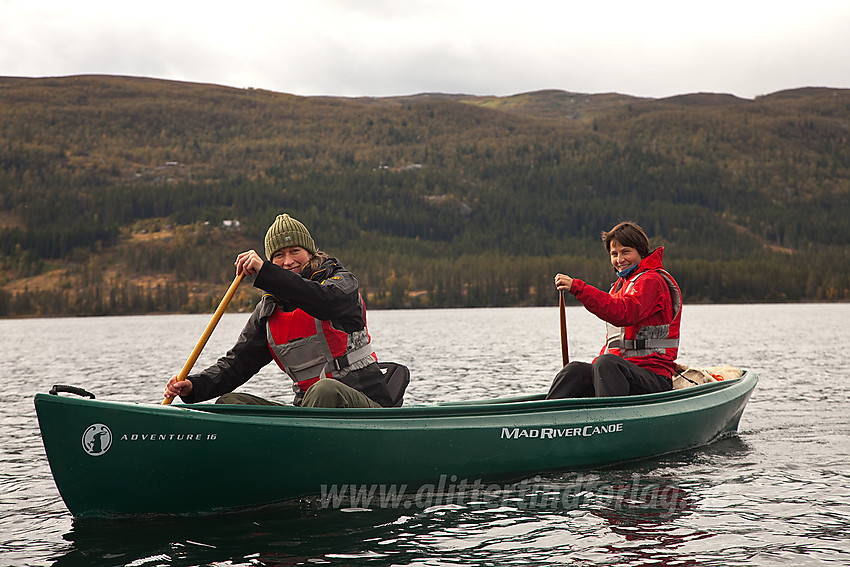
[
  {"x": 565, "y": 349},
  {"x": 225, "y": 301}
]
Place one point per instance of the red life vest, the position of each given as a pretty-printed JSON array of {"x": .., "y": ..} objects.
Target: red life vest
[
  {"x": 661, "y": 341},
  {"x": 308, "y": 349}
]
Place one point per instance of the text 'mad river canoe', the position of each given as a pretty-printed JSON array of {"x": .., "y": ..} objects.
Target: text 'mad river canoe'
[{"x": 113, "y": 459}]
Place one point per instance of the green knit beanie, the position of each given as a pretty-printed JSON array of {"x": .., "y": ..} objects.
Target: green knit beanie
[{"x": 284, "y": 232}]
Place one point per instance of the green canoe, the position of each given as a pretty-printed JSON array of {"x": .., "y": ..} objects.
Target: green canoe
[{"x": 114, "y": 459}]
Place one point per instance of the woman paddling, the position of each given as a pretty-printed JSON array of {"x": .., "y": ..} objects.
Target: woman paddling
[
  {"x": 642, "y": 311},
  {"x": 311, "y": 321}
]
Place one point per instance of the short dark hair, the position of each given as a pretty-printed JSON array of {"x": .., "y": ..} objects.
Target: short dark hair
[{"x": 629, "y": 234}]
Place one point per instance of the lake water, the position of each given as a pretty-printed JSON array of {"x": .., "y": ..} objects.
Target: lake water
[{"x": 776, "y": 494}]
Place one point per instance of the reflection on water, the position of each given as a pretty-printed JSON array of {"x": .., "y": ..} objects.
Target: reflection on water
[
  {"x": 603, "y": 512},
  {"x": 778, "y": 494}
]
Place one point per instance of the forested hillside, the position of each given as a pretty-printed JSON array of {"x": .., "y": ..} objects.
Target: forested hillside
[{"x": 117, "y": 194}]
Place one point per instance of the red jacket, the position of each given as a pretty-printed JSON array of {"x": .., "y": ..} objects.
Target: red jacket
[{"x": 643, "y": 310}]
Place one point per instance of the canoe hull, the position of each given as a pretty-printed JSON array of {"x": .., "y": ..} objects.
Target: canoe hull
[{"x": 118, "y": 459}]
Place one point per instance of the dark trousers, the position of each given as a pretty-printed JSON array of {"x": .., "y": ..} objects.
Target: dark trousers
[
  {"x": 609, "y": 375},
  {"x": 326, "y": 393}
]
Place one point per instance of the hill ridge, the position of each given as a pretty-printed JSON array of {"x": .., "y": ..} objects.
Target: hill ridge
[{"x": 429, "y": 197}]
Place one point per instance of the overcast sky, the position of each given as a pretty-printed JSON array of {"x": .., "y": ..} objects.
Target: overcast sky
[{"x": 653, "y": 48}]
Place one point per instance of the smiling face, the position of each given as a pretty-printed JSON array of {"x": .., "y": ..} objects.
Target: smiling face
[
  {"x": 623, "y": 257},
  {"x": 293, "y": 258}
]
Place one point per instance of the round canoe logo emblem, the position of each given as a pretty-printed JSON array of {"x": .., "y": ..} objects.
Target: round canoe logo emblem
[{"x": 97, "y": 439}]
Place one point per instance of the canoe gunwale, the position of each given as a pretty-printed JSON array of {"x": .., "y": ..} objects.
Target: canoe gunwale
[
  {"x": 533, "y": 403},
  {"x": 518, "y": 405}
]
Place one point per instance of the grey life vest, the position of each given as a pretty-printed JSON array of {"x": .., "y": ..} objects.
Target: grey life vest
[{"x": 633, "y": 341}]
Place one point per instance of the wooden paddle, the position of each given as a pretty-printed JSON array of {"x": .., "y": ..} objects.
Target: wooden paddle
[
  {"x": 565, "y": 349},
  {"x": 207, "y": 332}
]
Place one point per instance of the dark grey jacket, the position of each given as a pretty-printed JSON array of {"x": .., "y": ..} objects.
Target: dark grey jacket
[{"x": 331, "y": 293}]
